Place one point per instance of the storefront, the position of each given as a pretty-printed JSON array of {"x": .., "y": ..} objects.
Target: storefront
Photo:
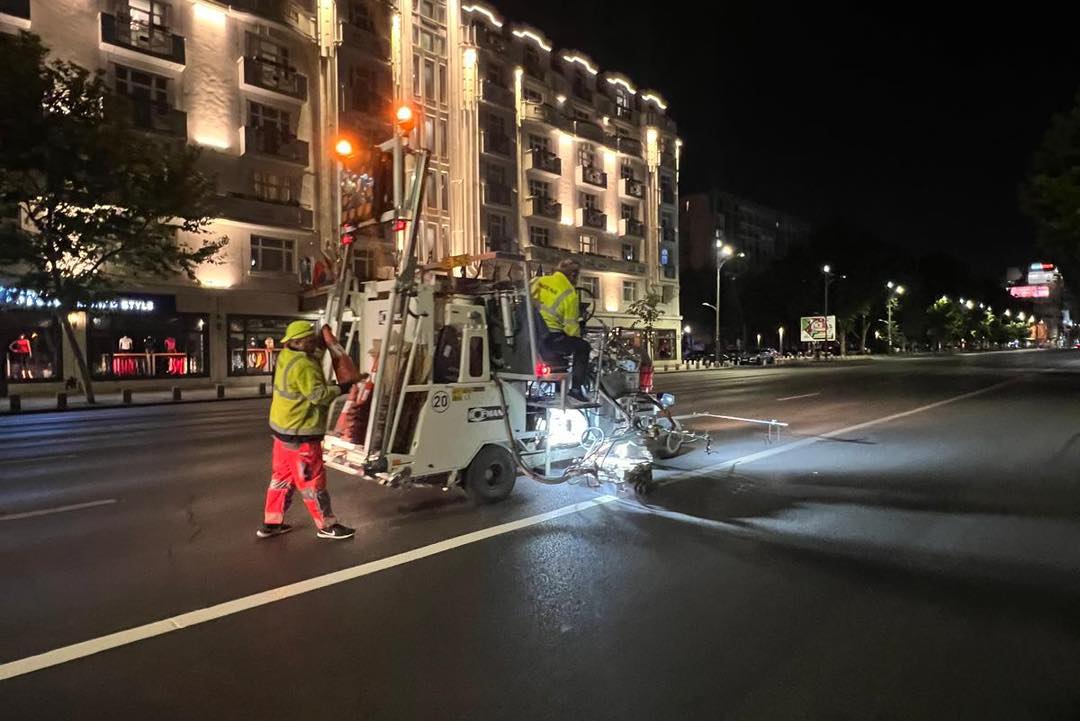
[
  {"x": 31, "y": 343},
  {"x": 143, "y": 337},
  {"x": 664, "y": 346},
  {"x": 254, "y": 343}
]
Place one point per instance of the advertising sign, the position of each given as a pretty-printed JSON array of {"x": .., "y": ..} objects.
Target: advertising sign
[
  {"x": 1030, "y": 291},
  {"x": 816, "y": 328}
]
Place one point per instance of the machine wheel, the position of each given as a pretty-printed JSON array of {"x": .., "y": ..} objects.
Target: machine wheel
[
  {"x": 669, "y": 441},
  {"x": 491, "y": 475}
]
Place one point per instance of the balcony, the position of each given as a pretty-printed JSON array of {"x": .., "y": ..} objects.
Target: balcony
[
  {"x": 490, "y": 40},
  {"x": 361, "y": 35},
  {"x": 631, "y": 188},
  {"x": 270, "y": 142},
  {"x": 158, "y": 118},
  {"x": 667, "y": 195},
  {"x": 534, "y": 70},
  {"x": 591, "y": 218},
  {"x": 631, "y": 228},
  {"x": 250, "y": 209},
  {"x": 543, "y": 114},
  {"x": 142, "y": 39},
  {"x": 581, "y": 90},
  {"x": 590, "y": 175},
  {"x": 549, "y": 256},
  {"x": 17, "y": 9},
  {"x": 667, "y": 159},
  {"x": 264, "y": 76},
  {"x": 670, "y": 271},
  {"x": 499, "y": 243},
  {"x": 660, "y": 121},
  {"x": 628, "y": 115},
  {"x": 496, "y": 143},
  {"x": 628, "y": 145},
  {"x": 497, "y": 94},
  {"x": 543, "y": 161},
  {"x": 270, "y": 9},
  {"x": 667, "y": 234},
  {"x": 589, "y": 130},
  {"x": 498, "y": 194},
  {"x": 543, "y": 207}
]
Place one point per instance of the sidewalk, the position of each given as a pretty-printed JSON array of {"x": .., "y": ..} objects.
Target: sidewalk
[{"x": 77, "y": 401}]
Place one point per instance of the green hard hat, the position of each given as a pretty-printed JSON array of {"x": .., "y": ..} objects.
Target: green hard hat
[{"x": 298, "y": 329}]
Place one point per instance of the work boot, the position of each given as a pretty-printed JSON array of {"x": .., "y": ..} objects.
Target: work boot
[
  {"x": 269, "y": 530},
  {"x": 337, "y": 532}
]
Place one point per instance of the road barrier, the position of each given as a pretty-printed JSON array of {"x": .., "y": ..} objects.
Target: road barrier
[
  {"x": 126, "y": 396},
  {"x": 176, "y": 395},
  {"x": 61, "y": 401},
  {"x": 14, "y": 403}
]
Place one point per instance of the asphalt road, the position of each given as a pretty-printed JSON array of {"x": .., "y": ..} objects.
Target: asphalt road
[{"x": 909, "y": 549}]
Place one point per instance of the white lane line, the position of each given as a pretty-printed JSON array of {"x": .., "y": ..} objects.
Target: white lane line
[
  {"x": 795, "y": 398},
  {"x": 194, "y": 618},
  {"x": 39, "y": 459},
  {"x": 57, "y": 509},
  {"x": 802, "y": 443}
]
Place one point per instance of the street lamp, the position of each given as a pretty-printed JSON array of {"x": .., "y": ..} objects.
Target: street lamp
[
  {"x": 780, "y": 330},
  {"x": 723, "y": 252},
  {"x": 894, "y": 292}
]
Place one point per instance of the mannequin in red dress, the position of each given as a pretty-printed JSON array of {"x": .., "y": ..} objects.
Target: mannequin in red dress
[
  {"x": 21, "y": 352},
  {"x": 177, "y": 365}
]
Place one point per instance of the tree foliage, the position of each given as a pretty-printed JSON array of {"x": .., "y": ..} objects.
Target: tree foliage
[{"x": 99, "y": 201}]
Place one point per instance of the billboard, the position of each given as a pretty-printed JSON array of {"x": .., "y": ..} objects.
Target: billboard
[
  {"x": 815, "y": 328},
  {"x": 1030, "y": 291}
]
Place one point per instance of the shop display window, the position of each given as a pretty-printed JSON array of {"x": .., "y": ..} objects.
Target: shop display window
[
  {"x": 254, "y": 344},
  {"x": 126, "y": 347},
  {"x": 31, "y": 347}
]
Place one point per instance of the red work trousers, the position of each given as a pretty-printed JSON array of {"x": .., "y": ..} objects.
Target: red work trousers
[{"x": 298, "y": 467}]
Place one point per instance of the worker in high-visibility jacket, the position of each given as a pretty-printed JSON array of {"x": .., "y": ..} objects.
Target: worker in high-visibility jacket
[
  {"x": 301, "y": 400},
  {"x": 557, "y": 300}
]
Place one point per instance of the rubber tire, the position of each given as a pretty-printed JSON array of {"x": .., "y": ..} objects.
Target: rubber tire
[
  {"x": 666, "y": 445},
  {"x": 491, "y": 475}
]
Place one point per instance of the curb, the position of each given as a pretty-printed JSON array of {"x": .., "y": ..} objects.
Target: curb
[{"x": 113, "y": 406}]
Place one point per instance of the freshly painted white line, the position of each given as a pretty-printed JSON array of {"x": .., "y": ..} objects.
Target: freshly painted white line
[
  {"x": 804, "y": 442},
  {"x": 57, "y": 509},
  {"x": 194, "y": 618},
  {"x": 795, "y": 398}
]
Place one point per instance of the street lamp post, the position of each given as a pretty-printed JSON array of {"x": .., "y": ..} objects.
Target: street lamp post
[
  {"x": 780, "y": 330},
  {"x": 827, "y": 272},
  {"x": 894, "y": 292},
  {"x": 723, "y": 252}
]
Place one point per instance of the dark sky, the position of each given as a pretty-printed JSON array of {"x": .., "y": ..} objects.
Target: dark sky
[{"x": 916, "y": 123}]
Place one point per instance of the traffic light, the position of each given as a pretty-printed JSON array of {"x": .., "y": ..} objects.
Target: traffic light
[{"x": 404, "y": 119}]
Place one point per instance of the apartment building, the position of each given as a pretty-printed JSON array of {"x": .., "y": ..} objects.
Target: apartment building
[{"x": 534, "y": 150}]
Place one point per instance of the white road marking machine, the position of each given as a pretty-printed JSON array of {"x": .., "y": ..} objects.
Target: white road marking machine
[{"x": 461, "y": 396}]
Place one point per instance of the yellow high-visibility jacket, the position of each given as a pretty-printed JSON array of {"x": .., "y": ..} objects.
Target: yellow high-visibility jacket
[
  {"x": 302, "y": 396},
  {"x": 557, "y": 302}
]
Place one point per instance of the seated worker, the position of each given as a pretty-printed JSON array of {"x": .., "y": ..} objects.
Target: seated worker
[{"x": 557, "y": 300}]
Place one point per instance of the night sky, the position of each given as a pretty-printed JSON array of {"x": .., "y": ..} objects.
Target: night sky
[{"x": 916, "y": 123}]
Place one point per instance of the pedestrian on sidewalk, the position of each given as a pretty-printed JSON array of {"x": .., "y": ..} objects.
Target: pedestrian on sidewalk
[{"x": 301, "y": 400}]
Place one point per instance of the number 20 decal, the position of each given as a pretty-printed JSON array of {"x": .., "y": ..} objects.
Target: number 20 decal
[{"x": 440, "y": 402}]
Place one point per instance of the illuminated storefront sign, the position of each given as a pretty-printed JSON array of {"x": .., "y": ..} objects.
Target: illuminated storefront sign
[
  {"x": 20, "y": 298},
  {"x": 1030, "y": 291}
]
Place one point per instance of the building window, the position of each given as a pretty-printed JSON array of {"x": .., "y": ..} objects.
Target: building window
[
  {"x": 416, "y": 75},
  {"x": 272, "y": 255},
  {"x": 540, "y": 142},
  {"x": 588, "y": 201},
  {"x": 588, "y": 244},
  {"x": 442, "y": 83},
  {"x": 253, "y": 344},
  {"x": 539, "y": 235},
  {"x": 629, "y": 252},
  {"x": 539, "y": 189},
  {"x": 148, "y": 346},
  {"x": 496, "y": 227},
  {"x": 429, "y": 133},
  {"x": 274, "y": 188},
  {"x": 266, "y": 50},
  {"x": 30, "y": 342},
  {"x": 591, "y": 283},
  {"x": 142, "y": 86},
  {"x": 264, "y": 116},
  {"x": 148, "y": 13},
  {"x": 532, "y": 96},
  {"x": 629, "y": 291},
  {"x": 429, "y": 80},
  {"x": 665, "y": 256},
  {"x": 622, "y": 100},
  {"x": 363, "y": 263},
  {"x": 444, "y": 149},
  {"x": 627, "y": 212},
  {"x": 446, "y": 191},
  {"x": 626, "y": 170},
  {"x": 586, "y": 154}
]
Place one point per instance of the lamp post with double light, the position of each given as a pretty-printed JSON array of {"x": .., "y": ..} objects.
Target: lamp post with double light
[{"x": 895, "y": 291}]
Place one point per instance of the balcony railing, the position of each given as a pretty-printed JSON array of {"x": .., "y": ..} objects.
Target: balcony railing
[
  {"x": 543, "y": 160},
  {"x": 498, "y": 194},
  {"x": 589, "y": 130},
  {"x": 497, "y": 143},
  {"x": 544, "y": 207},
  {"x": 631, "y": 188},
  {"x": 498, "y": 243},
  {"x": 631, "y": 228},
  {"x": 16, "y": 8},
  {"x": 497, "y": 94},
  {"x": 251, "y": 209},
  {"x": 124, "y": 32},
  {"x": 543, "y": 114},
  {"x": 591, "y": 175},
  {"x": 591, "y": 218},
  {"x": 628, "y": 114},
  {"x": 266, "y": 75},
  {"x": 158, "y": 118},
  {"x": 271, "y": 142},
  {"x": 270, "y": 9},
  {"x": 628, "y": 145},
  {"x": 490, "y": 40},
  {"x": 550, "y": 256},
  {"x": 667, "y": 234}
]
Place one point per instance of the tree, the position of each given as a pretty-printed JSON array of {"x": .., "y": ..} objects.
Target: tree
[
  {"x": 1051, "y": 193},
  {"x": 647, "y": 311},
  {"x": 99, "y": 200}
]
